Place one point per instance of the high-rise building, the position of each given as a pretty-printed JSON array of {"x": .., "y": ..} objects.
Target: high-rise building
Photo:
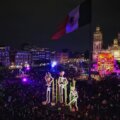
[{"x": 4, "y": 56}]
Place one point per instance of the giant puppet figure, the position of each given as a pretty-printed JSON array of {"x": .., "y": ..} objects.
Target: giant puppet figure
[
  {"x": 62, "y": 85},
  {"x": 49, "y": 79},
  {"x": 73, "y": 96}
]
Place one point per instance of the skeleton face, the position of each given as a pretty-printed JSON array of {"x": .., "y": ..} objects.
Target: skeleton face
[
  {"x": 48, "y": 79},
  {"x": 62, "y": 73}
]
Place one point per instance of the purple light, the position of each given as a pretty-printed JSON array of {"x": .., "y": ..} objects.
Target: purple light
[
  {"x": 28, "y": 68},
  {"x": 24, "y": 79}
]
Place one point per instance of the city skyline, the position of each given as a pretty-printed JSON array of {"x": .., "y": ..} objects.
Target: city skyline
[{"x": 35, "y": 22}]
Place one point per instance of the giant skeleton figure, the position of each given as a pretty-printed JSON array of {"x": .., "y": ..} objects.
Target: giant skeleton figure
[
  {"x": 73, "y": 96},
  {"x": 62, "y": 85},
  {"x": 49, "y": 79}
]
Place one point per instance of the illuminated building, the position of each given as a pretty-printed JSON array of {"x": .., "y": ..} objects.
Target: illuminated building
[
  {"x": 53, "y": 55},
  {"x": 77, "y": 60},
  {"x": 5, "y": 56},
  {"x": 115, "y": 49},
  {"x": 62, "y": 57},
  {"x": 98, "y": 42},
  {"x": 39, "y": 54},
  {"x": 22, "y": 57}
]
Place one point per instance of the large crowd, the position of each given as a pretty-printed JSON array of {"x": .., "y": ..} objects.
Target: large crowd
[{"x": 23, "y": 101}]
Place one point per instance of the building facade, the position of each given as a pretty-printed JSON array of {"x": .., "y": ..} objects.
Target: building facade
[
  {"x": 115, "y": 49},
  {"x": 23, "y": 56},
  {"x": 98, "y": 43},
  {"x": 5, "y": 56},
  {"x": 62, "y": 57},
  {"x": 40, "y": 54}
]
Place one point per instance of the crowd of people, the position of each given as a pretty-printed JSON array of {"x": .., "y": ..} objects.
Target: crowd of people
[{"x": 19, "y": 100}]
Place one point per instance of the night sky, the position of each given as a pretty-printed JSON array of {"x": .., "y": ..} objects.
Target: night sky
[{"x": 34, "y": 21}]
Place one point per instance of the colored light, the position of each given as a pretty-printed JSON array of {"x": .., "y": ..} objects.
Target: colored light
[
  {"x": 105, "y": 63},
  {"x": 28, "y": 68},
  {"x": 24, "y": 79},
  {"x": 54, "y": 63}
]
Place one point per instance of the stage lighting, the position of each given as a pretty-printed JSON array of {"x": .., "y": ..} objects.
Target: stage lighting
[{"x": 54, "y": 63}]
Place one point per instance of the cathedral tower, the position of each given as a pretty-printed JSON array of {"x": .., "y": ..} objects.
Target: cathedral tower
[{"x": 97, "y": 43}]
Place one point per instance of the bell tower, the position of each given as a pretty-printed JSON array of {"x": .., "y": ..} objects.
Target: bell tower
[
  {"x": 97, "y": 43},
  {"x": 115, "y": 43}
]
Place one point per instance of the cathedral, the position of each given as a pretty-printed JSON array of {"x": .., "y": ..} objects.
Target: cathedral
[{"x": 98, "y": 43}]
